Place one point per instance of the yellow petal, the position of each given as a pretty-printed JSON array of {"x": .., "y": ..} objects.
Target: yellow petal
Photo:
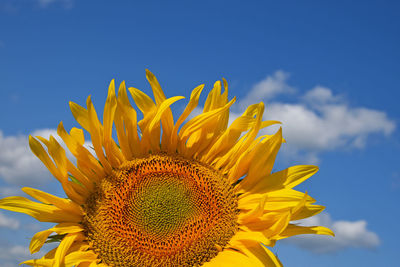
[
  {"x": 214, "y": 98},
  {"x": 92, "y": 264},
  {"x": 270, "y": 224},
  {"x": 167, "y": 120},
  {"x": 155, "y": 86},
  {"x": 207, "y": 135},
  {"x": 292, "y": 230},
  {"x": 219, "y": 100},
  {"x": 265, "y": 256},
  {"x": 86, "y": 162},
  {"x": 46, "y": 198},
  {"x": 130, "y": 141},
  {"x": 258, "y": 253},
  {"x": 149, "y": 109},
  {"x": 265, "y": 155},
  {"x": 39, "y": 151},
  {"x": 47, "y": 260},
  {"x": 67, "y": 228},
  {"x": 143, "y": 101},
  {"x": 244, "y": 155},
  {"x": 41, "y": 212},
  {"x": 122, "y": 123},
  {"x": 63, "y": 248},
  {"x": 38, "y": 240},
  {"x": 256, "y": 236},
  {"x": 126, "y": 125},
  {"x": 284, "y": 199},
  {"x": 113, "y": 155},
  {"x": 229, "y": 138},
  {"x": 231, "y": 258},
  {"x": 39, "y": 262},
  {"x": 300, "y": 205},
  {"x": 77, "y": 257},
  {"x": 306, "y": 211},
  {"x": 63, "y": 228},
  {"x": 258, "y": 211},
  {"x": 162, "y": 109},
  {"x": 245, "y": 142},
  {"x": 96, "y": 133},
  {"x": 287, "y": 178},
  {"x": 201, "y": 120},
  {"x": 193, "y": 102},
  {"x": 77, "y": 134},
  {"x": 60, "y": 159},
  {"x": 80, "y": 114},
  {"x": 80, "y": 176}
]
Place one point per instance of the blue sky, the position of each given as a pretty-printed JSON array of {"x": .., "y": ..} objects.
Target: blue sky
[{"x": 328, "y": 70}]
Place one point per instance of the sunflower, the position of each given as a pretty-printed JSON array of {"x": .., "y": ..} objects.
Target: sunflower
[{"x": 199, "y": 193}]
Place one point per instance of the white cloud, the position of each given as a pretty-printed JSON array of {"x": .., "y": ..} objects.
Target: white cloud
[
  {"x": 18, "y": 165},
  {"x": 14, "y": 252},
  {"x": 268, "y": 88},
  {"x": 319, "y": 120},
  {"x": 8, "y": 222},
  {"x": 329, "y": 126},
  {"x": 320, "y": 95},
  {"x": 348, "y": 234}
]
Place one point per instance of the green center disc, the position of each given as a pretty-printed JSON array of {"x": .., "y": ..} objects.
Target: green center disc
[{"x": 161, "y": 206}]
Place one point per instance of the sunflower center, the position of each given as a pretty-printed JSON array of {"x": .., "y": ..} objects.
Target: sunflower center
[
  {"x": 162, "y": 205},
  {"x": 161, "y": 211}
]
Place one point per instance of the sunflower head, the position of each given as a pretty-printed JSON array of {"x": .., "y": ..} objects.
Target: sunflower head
[{"x": 187, "y": 192}]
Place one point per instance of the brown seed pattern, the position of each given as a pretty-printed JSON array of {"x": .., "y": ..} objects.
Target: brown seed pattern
[{"x": 161, "y": 210}]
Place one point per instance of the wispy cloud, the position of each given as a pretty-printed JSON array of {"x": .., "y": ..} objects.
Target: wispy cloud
[
  {"x": 348, "y": 234},
  {"x": 8, "y": 222},
  {"x": 268, "y": 88},
  {"x": 317, "y": 121}
]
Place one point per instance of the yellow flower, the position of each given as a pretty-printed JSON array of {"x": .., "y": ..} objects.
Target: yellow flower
[{"x": 198, "y": 193}]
